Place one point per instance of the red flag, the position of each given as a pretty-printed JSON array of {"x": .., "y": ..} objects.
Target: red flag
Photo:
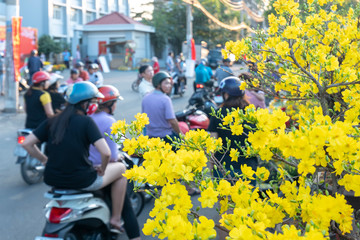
[
  {"x": 193, "y": 51},
  {"x": 16, "y": 28}
]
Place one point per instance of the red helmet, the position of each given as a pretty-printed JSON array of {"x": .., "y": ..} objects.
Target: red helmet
[
  {"x": 110, "y": 94},
  {"x": 40, "y": 76}
]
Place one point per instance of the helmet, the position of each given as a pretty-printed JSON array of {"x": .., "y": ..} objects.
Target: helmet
[
  {"x": 159, "y": 77},
  {"x": 110, "y": 94},
  {"x": 95, "y": 65},
  {"x": 79, "y": 64},
  {"x": 81, "y": 91},
  {"x": 74, "y": 71},
  {"x": 92, "y": 66},
  {"x": 54, "y": 78},
  {"x": 231, "y": 85},
  {"x": 40, "y": 76},
  {"x": 33, "y": 52}
]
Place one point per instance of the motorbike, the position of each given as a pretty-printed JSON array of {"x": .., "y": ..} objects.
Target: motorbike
[
  {"x": 203, "y": 100},
  {"x": 136, "y": 83},
  {"x": 74, "y": 214},
  {"x": 32, "y": 169},
  {"x": 192, "y": 119},
  {"x": 178, "y": 84}
]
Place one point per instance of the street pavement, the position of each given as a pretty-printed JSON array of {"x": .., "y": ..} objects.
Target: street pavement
[{"x": 21, "y": 205}]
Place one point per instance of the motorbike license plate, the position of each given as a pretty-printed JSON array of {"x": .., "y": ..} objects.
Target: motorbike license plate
[
  {"x": 47, "y": 238},
  {"x": 20, "y": 151}
]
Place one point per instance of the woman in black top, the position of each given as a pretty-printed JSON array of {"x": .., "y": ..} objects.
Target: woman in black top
[
  {"x": 68, "y": 137},
  {"x": 37, "y": 102},
  {"x": 233, "y": 98}
]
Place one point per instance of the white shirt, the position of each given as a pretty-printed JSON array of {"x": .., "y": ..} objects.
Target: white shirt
[
  {"x": 96, "y": 78},
  {"x": 145, "y": 88}
]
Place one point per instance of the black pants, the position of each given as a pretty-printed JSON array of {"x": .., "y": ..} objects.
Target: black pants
[{"x": 131, "y": 224}]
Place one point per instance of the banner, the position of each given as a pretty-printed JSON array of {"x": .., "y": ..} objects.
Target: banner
[
  {"x": 16, "y": 29},
  {"x": 193, "y": 51},
  {"x": 28, "y": 42}
]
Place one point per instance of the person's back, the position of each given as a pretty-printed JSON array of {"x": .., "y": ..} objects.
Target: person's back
[
  {"x": 35, "y": 99},
  {"x": 202, "y": 74},
  {"x": 103, "y": 121},
  {"x": 79, "y": 134},
  {"x": 158, "y": 107},
  {"x": 223, "y": 72}
]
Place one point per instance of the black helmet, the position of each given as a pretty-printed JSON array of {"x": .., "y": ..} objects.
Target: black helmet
[
  {"x": 74, "y": 71},
  {"x": 231, "y": 85},
  {"x": 79, "y": 64},
  {"x": 159, "y": 77}
]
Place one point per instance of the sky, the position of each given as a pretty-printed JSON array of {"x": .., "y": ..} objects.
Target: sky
[{"x": 136, "y": 6}]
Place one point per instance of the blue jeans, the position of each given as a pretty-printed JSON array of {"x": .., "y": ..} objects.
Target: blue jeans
[{"x": 2, "y": 82}]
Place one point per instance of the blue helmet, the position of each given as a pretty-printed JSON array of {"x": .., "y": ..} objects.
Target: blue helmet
[
  {"x": 231, "y": 85},
  {"x": 82, "y": 91}
]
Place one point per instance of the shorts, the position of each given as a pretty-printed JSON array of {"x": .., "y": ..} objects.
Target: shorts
[{"x": 96, "y": 185}]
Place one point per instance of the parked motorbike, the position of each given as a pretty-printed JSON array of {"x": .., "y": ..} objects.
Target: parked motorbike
[
  {"x": 31, "y": 168},
  {"x": 136, "y": 83},
  {"x": 192, "y": 119}
]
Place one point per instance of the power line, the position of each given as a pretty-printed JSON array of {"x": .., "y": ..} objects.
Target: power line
[
  {"x": 242, "y": 6},
  {"x": 198, "y": 5}
]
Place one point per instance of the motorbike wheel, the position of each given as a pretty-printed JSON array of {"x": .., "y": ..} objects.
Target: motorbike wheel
[
  {"x": 135, "y": 86},
  {"x": 29, "y": 172},
  {"x": 137, "y": 202},
  {"x": 71, "y": 236}
]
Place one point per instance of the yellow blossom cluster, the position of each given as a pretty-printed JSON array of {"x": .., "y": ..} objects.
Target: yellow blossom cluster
[{"x": 310, "y": 131}]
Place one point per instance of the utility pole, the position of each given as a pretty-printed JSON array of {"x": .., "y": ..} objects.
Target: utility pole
[
  {"x": 190, "y": 64},
  {"x": 11, "y": 86}
]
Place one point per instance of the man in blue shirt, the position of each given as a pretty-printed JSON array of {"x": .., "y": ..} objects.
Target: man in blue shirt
[
  {"x": 66, "y": 58},
  {"x": 34, "y": 65}
]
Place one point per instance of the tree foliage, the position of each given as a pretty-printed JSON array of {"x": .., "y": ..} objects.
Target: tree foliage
[
  {"x": 47, "y": 45},
  {"x": 169, "y": 20}
]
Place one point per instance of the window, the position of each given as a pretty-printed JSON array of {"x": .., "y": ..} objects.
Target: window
[
  {"x": 57, "y": 12},
  {"x": 60, "y": 1},
  {"x": 77, "y": 2},
  {"x": 90, "y": 16},
  {"x": 90, "y": 4},
  {"x": 103, "y": 6},
  {"x": 75, "y": 16}
]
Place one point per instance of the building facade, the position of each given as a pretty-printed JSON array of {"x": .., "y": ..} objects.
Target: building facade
[
  {"x": 124, "y": 41},
  {"x": 59, "y": 18}
]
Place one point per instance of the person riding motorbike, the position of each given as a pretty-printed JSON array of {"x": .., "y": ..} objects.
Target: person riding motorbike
[
  {"x": 233, "y": 98},
  {"x": 74, "y": 77},
  {"x": 37, "y": 102},
  {"x": 68, "y": 137},
  {"x": 157, "y": 105},
  {"x": 57, "y": 99},
  {"x": 145, "y": 86},
  {"x": 202, "y": 74},
  {"x": 94, "y": 76},
  {"x": 82, "y": 73},
  {"x": 97, "y": 69},
  {"x": 103, "y": 118}
]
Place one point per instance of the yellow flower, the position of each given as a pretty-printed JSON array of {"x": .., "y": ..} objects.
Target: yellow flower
[
  {"x": 237, "y": 129},
  {"x": 224, "y": 187},
  {"x": 243, "y": 85},
  {"x": 119, "y": 126},
  {"x": 282, "y": 48},
  {"x": 234, "y": 154},
  {"x": 208, "y": 197},
  {"x": 291, "y": 32},
  {"x": 247, "y": 171},
  {"x": 205, "y": 230},
  {"x": 262, "y": 173}
]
